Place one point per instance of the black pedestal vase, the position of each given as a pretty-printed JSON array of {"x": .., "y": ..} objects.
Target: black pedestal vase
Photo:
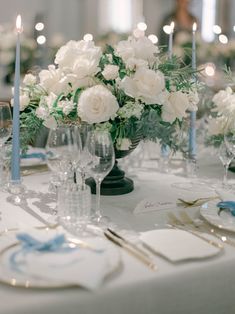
[{"x": 115, "y": 183}]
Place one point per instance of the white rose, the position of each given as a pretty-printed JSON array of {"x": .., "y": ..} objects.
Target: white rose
[
  {"x": 175, "y": 106},
  {"x": 66, "y": 106},
  {"x": 123, "y": 143},
  {"x": 97, "y": 104},
  {"x": 29, "y": 79},
  {"x": 110, "y": 72},
  {"x": 146, "y": 85}
]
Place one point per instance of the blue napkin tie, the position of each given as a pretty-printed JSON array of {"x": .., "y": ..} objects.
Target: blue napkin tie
[
  {"x": 30, "y": 244},
  {"x": 230, "y": 205}
]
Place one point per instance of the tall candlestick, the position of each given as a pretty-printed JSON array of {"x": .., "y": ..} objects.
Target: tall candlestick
[
  {"x": 192, "y": 128},
  {"x": 170, "y": 44},
  {"x": 15, "y": 159}
]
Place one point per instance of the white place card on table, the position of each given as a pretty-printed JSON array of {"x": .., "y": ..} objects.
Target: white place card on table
[{"x": 153, "y": 204}]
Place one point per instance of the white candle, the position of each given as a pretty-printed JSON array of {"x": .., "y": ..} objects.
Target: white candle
[
  {"x": 15, "y": 160},
  {"x": 170, "y": 45},
  {"x": 192, "y": 128}
]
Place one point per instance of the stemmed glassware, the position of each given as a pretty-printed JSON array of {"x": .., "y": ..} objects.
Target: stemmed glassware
[
  {"x": 225, "y": 156},
  {"x": 5, "y": 131},
  {"x": 63, "y": 150},
  {"x": 100, "y": 154}
]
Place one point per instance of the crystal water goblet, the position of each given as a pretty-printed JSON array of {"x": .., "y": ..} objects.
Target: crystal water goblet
[
  {"x": 63, "y": 149},
  {"x": 101, "y": 157}
]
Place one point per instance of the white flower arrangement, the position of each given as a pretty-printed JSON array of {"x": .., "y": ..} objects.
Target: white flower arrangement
[
  {"x": 130, "y": 88},
  {"x": 222, "y": 120}
]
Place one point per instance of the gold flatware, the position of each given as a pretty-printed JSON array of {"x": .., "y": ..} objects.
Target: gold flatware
[
  {"x": 140, "y": 255},
  {"x": 178, "y": 224},
  {"x": 203, "y": 227},
  {"x": 128, "y": 242},
  {"x": 197, "y": 202}
]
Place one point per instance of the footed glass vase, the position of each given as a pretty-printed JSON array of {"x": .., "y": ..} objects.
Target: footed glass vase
[{"x": 116, "y": 183}]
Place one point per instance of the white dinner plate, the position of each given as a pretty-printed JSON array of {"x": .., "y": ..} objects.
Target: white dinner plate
[
  {"x": 21, "y": 278},
  {"x": 221, "y": 219}
]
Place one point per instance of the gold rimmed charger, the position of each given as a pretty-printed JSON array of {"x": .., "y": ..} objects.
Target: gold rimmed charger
[{"x": 21, "y": 279}]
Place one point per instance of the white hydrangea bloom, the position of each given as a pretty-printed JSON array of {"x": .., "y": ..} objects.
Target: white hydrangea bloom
[{"x": 131, "y": 109}]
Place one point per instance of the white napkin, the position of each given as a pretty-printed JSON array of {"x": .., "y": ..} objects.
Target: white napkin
[
  {"x": 178, "y": 245},
  {"x": 83, "y": 267}
]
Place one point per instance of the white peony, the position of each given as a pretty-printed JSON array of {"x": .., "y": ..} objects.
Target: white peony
[
  {"x": 97, "y": 104},
  {"x": 138, "y": 48},
  {"x": 75, "y": 52},
  {"x": 175, "y": 106},
  {"x": 29, "y": 79},
  {"x": 49, "y": 101},
  {"x": 110, "y": 72},
  {"x": 55, "y": 80},
  {"x": 146, "y": 85}
]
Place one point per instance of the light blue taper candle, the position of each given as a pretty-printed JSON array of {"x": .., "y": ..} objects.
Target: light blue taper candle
[
  {"x": 15, "y": 159},
  {"x": 192, "y": 128}
]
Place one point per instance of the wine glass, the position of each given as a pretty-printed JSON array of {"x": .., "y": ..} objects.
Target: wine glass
[
  {"x": 81, "y": 166},
  {"x": 63, "y": 149},
  {"x": 225, "y": 156},
  {"x": 5, "y": 131},
  {"x": 100, "y": 154}
]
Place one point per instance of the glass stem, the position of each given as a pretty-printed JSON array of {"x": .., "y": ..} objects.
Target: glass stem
[
  {"x": 97, "y": 209},
  {"x": 225, "y": 179}
]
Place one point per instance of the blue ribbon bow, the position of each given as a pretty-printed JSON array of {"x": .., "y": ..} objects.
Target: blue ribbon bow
[
  {"x": 230, "y": 205},
  {"x": 30, "y": 244}
]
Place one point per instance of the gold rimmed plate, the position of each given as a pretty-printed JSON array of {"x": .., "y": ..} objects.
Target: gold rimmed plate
[
  {"x": 20, "y": 276},
  {"x": 220, "y": 219}
]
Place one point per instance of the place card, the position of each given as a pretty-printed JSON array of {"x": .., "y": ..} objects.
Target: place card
[{"x": 153, "y": 204}]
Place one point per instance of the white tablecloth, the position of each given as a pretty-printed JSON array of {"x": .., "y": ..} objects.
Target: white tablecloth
[{"x": 205, "y": 286}]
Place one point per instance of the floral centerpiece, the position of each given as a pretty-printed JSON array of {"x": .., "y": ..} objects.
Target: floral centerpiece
[
  {"x": 222, "y": 119},
  {"x": 127, "y": 89}
]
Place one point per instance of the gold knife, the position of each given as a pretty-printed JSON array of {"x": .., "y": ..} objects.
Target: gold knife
[{"x": 131, "y": 250}]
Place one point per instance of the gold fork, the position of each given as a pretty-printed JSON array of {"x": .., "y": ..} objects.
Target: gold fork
[
  {"x": 198, "y": 201},
  {"x": 178, "y": 224},
  {"x": 203, "y": 227}
]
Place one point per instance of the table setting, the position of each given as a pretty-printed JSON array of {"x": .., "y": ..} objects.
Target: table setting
[{"x": 76, "y": 233}]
